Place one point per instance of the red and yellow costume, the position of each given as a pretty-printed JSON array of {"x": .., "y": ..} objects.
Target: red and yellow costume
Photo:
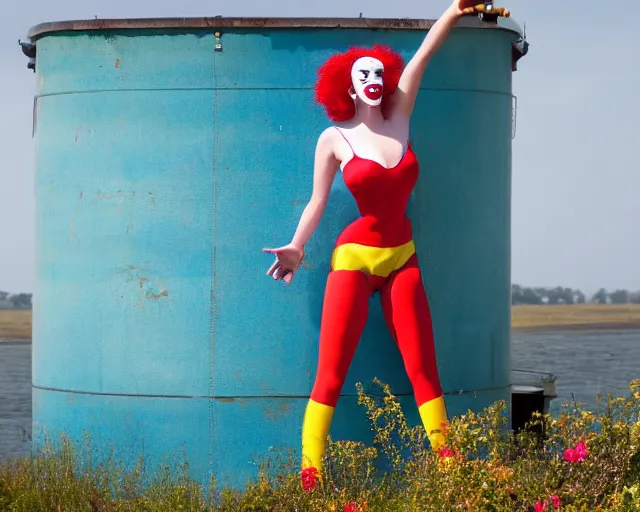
[{"x": 374, "y": 253}]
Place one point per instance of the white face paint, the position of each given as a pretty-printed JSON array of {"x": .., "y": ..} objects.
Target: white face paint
[{"x": 366, "y": 76}]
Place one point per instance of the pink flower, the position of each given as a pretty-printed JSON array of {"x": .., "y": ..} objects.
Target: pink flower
[
  {"x": 309, "y": 479},
  {"x": 555, "y": 501},
  {"x": 570, "y": 455},
  {"x": 445, "y": 453},
  {"x": 581, "y": 451},
  {"x": 353, "y": 507},
  {"x": 540, "y": 507},
  {"x": 577, "y": 454}
]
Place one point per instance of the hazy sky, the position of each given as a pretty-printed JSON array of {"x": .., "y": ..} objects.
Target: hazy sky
[{"x": 576, "y": 185}]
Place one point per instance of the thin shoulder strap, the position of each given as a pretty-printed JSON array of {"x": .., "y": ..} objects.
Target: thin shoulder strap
[{"x": 346, "y": 140}]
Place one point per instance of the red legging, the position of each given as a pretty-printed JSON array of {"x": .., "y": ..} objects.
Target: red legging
[{"x": 344, "y": 315}]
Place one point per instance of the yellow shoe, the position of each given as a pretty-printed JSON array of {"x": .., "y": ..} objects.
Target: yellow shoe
[
  {"x": 434, "y": 418},
  {"x": 315, "y": 429}
]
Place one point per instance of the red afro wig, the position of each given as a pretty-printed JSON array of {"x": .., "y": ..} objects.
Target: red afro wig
[{"x": 334, "y": 80}]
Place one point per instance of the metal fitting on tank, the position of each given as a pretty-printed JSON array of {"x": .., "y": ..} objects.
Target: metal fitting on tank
[
  {"x": 519, "y": 49},
  {"x": 29, "y": 49}
]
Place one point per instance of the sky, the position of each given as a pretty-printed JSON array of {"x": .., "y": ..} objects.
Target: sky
[{"x": 576, "y": 179}]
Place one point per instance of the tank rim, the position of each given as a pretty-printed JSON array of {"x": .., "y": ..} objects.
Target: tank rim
[{"x": 220, "y": 22}]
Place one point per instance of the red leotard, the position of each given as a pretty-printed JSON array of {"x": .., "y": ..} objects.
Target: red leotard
[
  {"x": 382, "y": 234},
  {"x": 381, "y": 195}
]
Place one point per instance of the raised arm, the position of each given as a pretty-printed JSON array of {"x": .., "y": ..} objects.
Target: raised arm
[
  {"x": 289, "y": 257},
  {"x": 405, "y": 96}
]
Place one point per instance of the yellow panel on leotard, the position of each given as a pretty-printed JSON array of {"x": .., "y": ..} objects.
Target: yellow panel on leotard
[{"x": 377, "y": 261}]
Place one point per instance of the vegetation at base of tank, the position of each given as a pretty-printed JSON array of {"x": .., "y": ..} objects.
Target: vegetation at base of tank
[{"x": 588, "y": 461}]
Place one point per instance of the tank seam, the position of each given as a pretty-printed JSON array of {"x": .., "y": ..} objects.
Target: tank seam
[
  {"x": 242, "y": 397},
  {"x": 213, "y": 301},
  {"x": 199, "y": 89}
]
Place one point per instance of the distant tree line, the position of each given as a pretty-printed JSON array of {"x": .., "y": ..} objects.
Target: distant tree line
[
  {"x": 519, "y": 295},
  {"x": 560, "y": 295},
  {"x": 15, "y": 301}
]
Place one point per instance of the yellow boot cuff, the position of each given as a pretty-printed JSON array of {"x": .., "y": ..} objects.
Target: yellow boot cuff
[
  {"x": 315, "y": 429},
  {"x": 434, "y": 414}
]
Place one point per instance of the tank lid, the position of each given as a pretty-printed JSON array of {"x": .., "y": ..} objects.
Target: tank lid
[{"x": 220, "y": 22}]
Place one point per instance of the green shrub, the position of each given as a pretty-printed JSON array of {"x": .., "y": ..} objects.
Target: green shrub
[{"x": 588, "y": 461}]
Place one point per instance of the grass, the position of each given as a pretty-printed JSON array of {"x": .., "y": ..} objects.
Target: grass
[
  {"x": 15, "y": 324},
  {"x": 582, "y": 316},
  {"x": 589, "y": 461}
]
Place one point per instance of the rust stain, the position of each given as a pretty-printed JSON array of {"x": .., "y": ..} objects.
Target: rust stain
[
  {"x": 228, "y": 400},
  {"x": 275, "y": 413},
  {"x": 157, "y": 296},
  {"x": 150, "y": 287},
  {"x": 238, "y": 22}
]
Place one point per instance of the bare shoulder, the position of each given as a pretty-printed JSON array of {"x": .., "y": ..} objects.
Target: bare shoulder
[
  {"x": 328, "y": 141},
  {"x": 328, "y": 135},
  {"x": 326, "y": 154}
]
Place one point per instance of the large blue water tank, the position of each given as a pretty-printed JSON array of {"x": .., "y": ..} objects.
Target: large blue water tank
[{"x": 168, "y": 153}]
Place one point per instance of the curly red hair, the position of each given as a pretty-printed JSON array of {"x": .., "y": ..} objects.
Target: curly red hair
[{"x": 334, "y": 80}]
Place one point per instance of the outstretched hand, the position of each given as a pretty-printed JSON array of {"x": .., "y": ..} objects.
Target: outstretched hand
[{"x": 288, "y": 259}]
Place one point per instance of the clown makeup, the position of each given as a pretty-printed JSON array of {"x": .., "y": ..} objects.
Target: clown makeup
[{"x": 366, "y": 76}]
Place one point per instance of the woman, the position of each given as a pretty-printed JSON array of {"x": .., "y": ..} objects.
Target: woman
[{"x": 370, "y": 97}]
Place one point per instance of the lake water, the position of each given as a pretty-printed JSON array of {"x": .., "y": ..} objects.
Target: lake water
[
  {"x": 15, "y": 398},
  {"x": 585, "y": 363}
]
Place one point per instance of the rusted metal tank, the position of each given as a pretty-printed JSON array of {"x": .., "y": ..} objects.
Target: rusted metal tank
[{"x": 168, "y": 153}]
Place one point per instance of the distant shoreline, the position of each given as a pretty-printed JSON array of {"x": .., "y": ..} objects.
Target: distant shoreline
[
  {"x": 586, "y": 327},
  {"x": 579, "y": 317},
  {"x": 15, "y": 325}
]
